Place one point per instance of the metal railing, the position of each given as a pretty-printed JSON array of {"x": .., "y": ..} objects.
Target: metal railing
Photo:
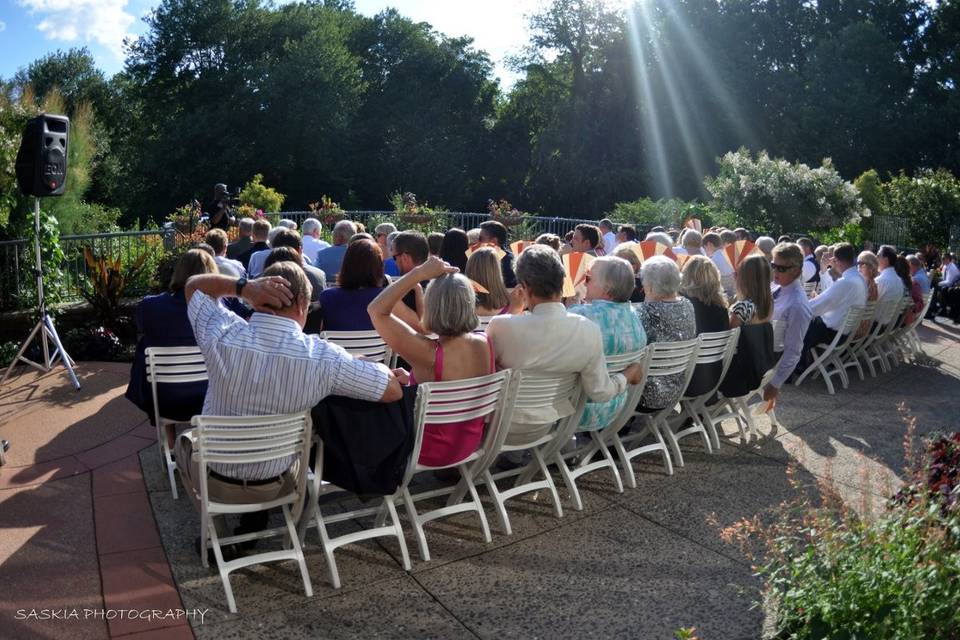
[
  {"x": 892, "y": 230},
  {"x": 17, "y": 290}
]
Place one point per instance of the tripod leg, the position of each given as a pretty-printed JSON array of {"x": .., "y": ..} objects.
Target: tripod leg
[
  {"x": 19, "y": 356},
  {"x": 67, "y": 360}
]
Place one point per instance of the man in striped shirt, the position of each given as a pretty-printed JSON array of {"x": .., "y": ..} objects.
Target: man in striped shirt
[{"x": 267, "y": 366}]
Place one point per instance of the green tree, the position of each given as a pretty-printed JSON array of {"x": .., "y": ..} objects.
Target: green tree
[{"x": 930, "y": 201}]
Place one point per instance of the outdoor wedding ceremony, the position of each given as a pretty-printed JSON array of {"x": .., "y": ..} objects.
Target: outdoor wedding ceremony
[{"x": 529, "y": 319}]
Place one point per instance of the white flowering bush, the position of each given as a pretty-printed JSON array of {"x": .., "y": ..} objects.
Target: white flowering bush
[{"x": 773, "y": 195}]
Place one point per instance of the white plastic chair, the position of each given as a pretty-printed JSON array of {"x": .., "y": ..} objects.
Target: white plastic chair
[
  {"x": 887, "y": 316},
  {"x": 367, "y": 344},
  {"x": 739, "y": 407},
  {"x": 490, "y": 397},
  {"x": 600, "y": 438},
  {"x": 885, "y": 346},
  {"x": 905, "y": 338},
  {"x": 224, "y": 440},
  {"x": 717, "y": 347},
  {"x": 853, "y": 352},
  {"x": 534, "y": 391},
  {"x": 171, "y": 365},
  {"x": 665, "y": 359},
  {"x": 826, "y": 362}
]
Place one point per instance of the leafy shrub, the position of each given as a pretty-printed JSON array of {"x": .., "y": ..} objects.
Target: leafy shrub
[
  {"x": 260, "y": 196},
  {"x": 775, "y": 196},
  {"x": 94, "y": 343},
  {"x": 832, "y": 574},
  {"x": 930, "y": 201},
  {"x": 52, "y": 256},
  {"x": 852, "y": 232},
  {"x": 107, "y": 280},
  {"x": 7, "y": 352},
  {"x": 646, "y": 213}
]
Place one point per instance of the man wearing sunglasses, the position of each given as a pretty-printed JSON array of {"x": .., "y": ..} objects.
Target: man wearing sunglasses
[{"x": 790, "y": 306}]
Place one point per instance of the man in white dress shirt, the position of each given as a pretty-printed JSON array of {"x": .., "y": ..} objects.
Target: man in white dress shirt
[
  {"x": 547, "y": 339},
  {"x": 609, "y": 237},
  {"x": 791, "y": 307},
  {"x": 312, "y": 243},
  {"x": 713, "y": 249},
  {"x": 830, "y": 307},
  {"x": 267, "y": 366},
  {"x": 889, "y": 285},
  {"x": 217, "y": 239},
  {"x": 950, "y": 277},
  {"x": 692, "y": 243}
]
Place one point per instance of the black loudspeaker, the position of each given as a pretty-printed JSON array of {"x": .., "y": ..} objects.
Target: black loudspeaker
[{"x": 42, "y": 159}]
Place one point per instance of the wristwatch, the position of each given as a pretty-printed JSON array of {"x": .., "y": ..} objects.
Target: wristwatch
[{"x": 241, "y": 283}]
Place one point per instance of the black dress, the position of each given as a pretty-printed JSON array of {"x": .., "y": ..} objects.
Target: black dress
[{"x": 710, "y": 318}]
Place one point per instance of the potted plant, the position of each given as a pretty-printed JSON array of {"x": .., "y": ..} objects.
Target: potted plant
[
  {"x": 505, "y": 213},
  {"x": 409, "y": 211},
  {"x": 327, "y": 210}
]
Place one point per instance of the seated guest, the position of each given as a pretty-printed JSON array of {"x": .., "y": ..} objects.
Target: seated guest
[
  {"x": 453, "y": 249},
  {"x": 435, "y": 242},
  {"x": 830, "y": 308},
  {"x": 890, "y": 286},
  {"x": 494, "y": 232},
  {"x": 586, "y": 239},
  {"x": 286, "y": 223},
  {"x": 666, "y": 317},
  {"x": 766, "y": 244},
  {"x": 944, "y": 295},
  {"x": 457, "y": 354},
  {"x": 692, "y": 243},
  {"x": 625, "y": 250},
  {"x": 918, "y": 274},
  {"x": 381, "y": 233},
  {"x": 753, "y": 305},
  {"x": 661, "y": 237},
  {"x": 608, "y": 236},
  {"x": 312, "y": 244},
  {"x": 235, "y": 249},
  {"x": 329, "y": 259},
  {"x": 811, "y": 271},
  {"x": 259, "y": 235},
  {"x": 627, "y": 233},
  {"x": 410, "y": 250},
  {"x": 549, "y": 339},
  {"x": 868, "y": 266},
  {"x": 550, "y": 239},
  {"x": 361, "y": 279},
  {"x": 713, "y": 248},
  {"x": 791, "y": 307},
  {"x": 291, "y": 239},
  {"x": 257, "y": 258},
  {"x": 484, "y": 269},
  {"x": 162, "y": 322},
  {"x": 610, "y": 282},
  {"x": 473, "y": 236},
  {"x": 911, "y": 288},
  {"x": 217, "y": 239},
  {"x": 262, "y": 367},
  {"x": 390, "y": 267},
  {"x": 700, "y": 283}
]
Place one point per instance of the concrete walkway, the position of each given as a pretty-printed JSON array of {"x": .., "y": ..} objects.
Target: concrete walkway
[{"x": 76, "y": 533}]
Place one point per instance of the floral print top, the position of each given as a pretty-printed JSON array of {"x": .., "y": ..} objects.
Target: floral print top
[{"x": 622, "y": 332}]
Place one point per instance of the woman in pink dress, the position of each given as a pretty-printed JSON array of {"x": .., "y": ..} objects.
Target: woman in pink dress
[{"x": 457, "y": 353}]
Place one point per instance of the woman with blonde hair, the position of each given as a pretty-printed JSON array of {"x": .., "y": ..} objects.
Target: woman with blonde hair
[
  {"x": 483, "y": 267},
  {"x": 754, "y": 303},
  {"x": 625, "y": 250},
  {"x": 868, "y": 266},
  {"x": 700, "y": 282}
]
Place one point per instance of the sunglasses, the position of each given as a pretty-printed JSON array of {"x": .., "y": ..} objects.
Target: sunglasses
[{"x": 780, "y": 268}]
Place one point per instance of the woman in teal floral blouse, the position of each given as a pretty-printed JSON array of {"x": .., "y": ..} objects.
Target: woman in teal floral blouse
[{"x": 610, "y": 282}]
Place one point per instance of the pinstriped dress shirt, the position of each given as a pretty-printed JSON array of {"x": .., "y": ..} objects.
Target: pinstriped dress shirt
[{"x": 270, "y": 366}]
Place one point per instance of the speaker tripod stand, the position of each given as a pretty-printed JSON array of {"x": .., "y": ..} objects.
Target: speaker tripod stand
[{"x": 44, "y": 328}]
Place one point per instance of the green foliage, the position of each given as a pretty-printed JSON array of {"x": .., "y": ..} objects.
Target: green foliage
[
  {"x": 72, "y": 74},
  {"x": 869, "y": 187},
  {"x": 13, "y": 117},
  {"x": 646, "y": 213},
  {"x": 52, "y": 257},
  {"x": 776, "y": 196},
  {"x": 851, "y": 232},
  {"x": 8, "y": 350},
  {"x": 259, "y": 196},
  {"x": 107, "y": 281},
  {"x": 930, "y": 201}
]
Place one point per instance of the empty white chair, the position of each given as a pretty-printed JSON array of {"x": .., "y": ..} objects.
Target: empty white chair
[
  {"x": 665, "y": 359},
  {"x": 367, "y": 344},
  {"x": 826, "y": 361},
  {"x": 169, "y": 366},
  {"x": 224, "y": 440},
  {"x": 600, "y": 438},
  {"x": 715, "y": 348},
  {"x": 488, "y": 397}
]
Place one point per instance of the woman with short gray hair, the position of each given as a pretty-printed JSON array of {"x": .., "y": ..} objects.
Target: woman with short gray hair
[
  {"x": 610, "y": 282},
  {"x": 457, "y": 353},
  {"x": 666, "y": 317}
]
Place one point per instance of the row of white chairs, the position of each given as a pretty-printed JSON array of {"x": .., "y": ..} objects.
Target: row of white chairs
[
  {"x": 890, "y": 341},
  {"x": 494, "y": 397}
]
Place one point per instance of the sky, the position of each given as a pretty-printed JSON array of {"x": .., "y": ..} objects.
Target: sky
[{"x": 30, "y": 29}]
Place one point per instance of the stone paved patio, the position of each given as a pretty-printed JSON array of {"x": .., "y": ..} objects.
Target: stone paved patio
[{"x": 77, "y": 528}]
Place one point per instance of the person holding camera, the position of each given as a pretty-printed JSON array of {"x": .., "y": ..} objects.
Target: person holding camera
[{"x": 220, "y": 215}]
